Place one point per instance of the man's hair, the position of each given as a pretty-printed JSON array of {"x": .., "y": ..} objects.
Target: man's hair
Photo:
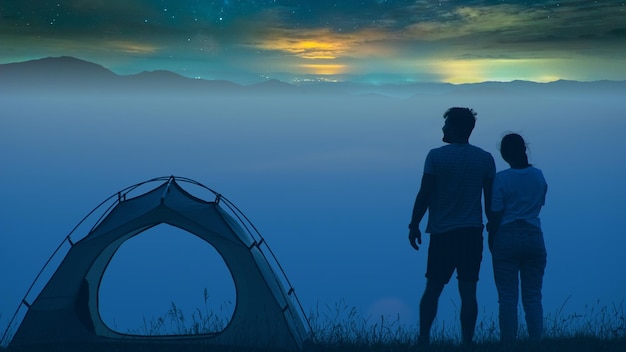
[{"x": 462, "y": 119}]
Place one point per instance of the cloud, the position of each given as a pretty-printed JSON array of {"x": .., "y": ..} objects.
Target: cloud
[
  {"x": 131, "y": 47},
  {"x": 475, "y": 27},
  {"x": 322, "y": 43},
  {"x": 311, "y": 44},
  {"x": 314, "y": 37}
]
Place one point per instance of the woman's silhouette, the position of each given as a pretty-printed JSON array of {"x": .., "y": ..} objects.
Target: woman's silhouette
[{"x": 516, "y": 240}]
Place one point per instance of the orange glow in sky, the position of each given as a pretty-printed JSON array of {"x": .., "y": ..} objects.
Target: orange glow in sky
[
  {"x": 324, "y": 69},
  {"x": 481, "y": 70}
]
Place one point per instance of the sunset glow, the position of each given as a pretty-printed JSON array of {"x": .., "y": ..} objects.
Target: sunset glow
[
  {"x": 455, "y": 42},
  {"x": 324, "y": 69}
]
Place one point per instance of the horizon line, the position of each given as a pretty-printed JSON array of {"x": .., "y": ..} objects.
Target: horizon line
[{"x": 304, "y": 79}]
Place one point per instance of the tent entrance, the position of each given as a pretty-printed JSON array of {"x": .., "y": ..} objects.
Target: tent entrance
[{"x": 166, "y": 281}]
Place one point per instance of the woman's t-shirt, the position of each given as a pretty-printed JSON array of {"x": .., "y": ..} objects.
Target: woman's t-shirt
[{"x": 519, "y": 194}]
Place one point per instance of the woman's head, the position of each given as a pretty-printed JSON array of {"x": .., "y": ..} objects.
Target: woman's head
[{"x": 513, "y": 150}]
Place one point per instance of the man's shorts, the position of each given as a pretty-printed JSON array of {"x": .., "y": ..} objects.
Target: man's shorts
[{"x": 460, "y": 249}]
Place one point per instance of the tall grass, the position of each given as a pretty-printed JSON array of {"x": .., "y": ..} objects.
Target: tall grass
[
  {"x": 203, "y": 320},
  {"x": 341, "y": 327},
  {"x": 603, "y": 322}
]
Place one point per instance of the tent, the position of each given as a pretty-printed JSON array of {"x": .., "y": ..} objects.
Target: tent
[{"x": 267, "y": 316}]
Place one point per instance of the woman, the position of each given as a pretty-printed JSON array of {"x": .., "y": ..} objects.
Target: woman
[{"x": 516, "y": 240}]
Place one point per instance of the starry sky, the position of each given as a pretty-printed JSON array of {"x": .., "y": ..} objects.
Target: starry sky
[{"x": 376, "y": 41}]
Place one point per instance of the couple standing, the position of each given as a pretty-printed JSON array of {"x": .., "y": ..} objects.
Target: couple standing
[{"x": 454, "y": 180}]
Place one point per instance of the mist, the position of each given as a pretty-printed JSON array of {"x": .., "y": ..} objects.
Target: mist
[{"x": 329, "y": 180}]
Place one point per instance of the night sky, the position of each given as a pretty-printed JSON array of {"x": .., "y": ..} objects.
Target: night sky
[{"x": 370, "y": 41}]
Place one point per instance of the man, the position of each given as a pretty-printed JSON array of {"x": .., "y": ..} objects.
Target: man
[{"x": 455, "y": 177}]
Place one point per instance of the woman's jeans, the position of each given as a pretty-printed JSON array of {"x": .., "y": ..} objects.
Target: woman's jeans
[{"x": 518, "y": 253}]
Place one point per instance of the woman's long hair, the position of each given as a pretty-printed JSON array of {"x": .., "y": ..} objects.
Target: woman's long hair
[{"x": 513, "y": 150}]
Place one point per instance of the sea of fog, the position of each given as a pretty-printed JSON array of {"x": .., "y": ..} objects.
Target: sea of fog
[{"x": 329, "y": 182}]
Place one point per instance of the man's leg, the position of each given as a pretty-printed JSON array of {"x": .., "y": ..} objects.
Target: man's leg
[
  {"x": 428, "y": 309},
  {"x": 469, "y": 245},
  {"x": 469, "y": 309}
]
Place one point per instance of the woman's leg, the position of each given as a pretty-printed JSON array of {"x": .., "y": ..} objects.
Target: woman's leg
[
  {"x": 531, "y": 273},
  {"x": 506, "y": 275}
]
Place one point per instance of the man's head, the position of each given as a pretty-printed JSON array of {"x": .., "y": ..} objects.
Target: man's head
[{"x": 458, "y": 126}]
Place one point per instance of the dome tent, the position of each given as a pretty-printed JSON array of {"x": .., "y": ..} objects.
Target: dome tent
[{"x": 65, "y": 313}]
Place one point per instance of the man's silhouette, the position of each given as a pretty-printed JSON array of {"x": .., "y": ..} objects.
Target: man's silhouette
[{"x": 455, "y": 177}]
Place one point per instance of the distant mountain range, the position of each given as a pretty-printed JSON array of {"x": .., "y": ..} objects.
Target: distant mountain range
[{"x": 62, "y": 74}]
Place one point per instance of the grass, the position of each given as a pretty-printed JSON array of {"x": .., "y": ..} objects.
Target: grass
[
  {"x": 203, "y": 320},
  {"x": 340, "y": 327}
]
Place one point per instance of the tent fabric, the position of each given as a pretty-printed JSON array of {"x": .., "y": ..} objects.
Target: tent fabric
[{"x": 265, "y": 317}]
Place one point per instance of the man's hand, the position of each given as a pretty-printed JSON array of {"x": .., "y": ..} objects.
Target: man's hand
[{"x": 415, "y": 234}]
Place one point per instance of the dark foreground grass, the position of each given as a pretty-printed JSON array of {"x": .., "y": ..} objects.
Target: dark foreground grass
[
  {"x": 343, "y": 328},
  {"x": 573, "y": 344},
  {"x": 570, "y": 344},
  {"x": 597, "y": 329}
]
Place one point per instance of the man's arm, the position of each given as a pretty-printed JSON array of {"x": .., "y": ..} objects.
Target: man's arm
[
  {"x": 422, "y": 201},
  {"x": 488, "y": 194},
  {"x": 493, "y": 218},
  {"x": 492, "y": 227}
]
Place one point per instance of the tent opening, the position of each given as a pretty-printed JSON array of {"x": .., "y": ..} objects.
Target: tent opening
[{"x": 166, "y": 281}]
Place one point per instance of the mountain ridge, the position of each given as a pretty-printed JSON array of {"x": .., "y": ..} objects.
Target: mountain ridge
[{"x": 67, "y": 72}]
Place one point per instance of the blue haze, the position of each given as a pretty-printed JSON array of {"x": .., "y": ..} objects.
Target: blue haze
[{"x": 329, "y": 182}]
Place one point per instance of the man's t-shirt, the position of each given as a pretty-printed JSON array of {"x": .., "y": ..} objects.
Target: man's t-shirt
[{"x": 461, "y": 171}]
